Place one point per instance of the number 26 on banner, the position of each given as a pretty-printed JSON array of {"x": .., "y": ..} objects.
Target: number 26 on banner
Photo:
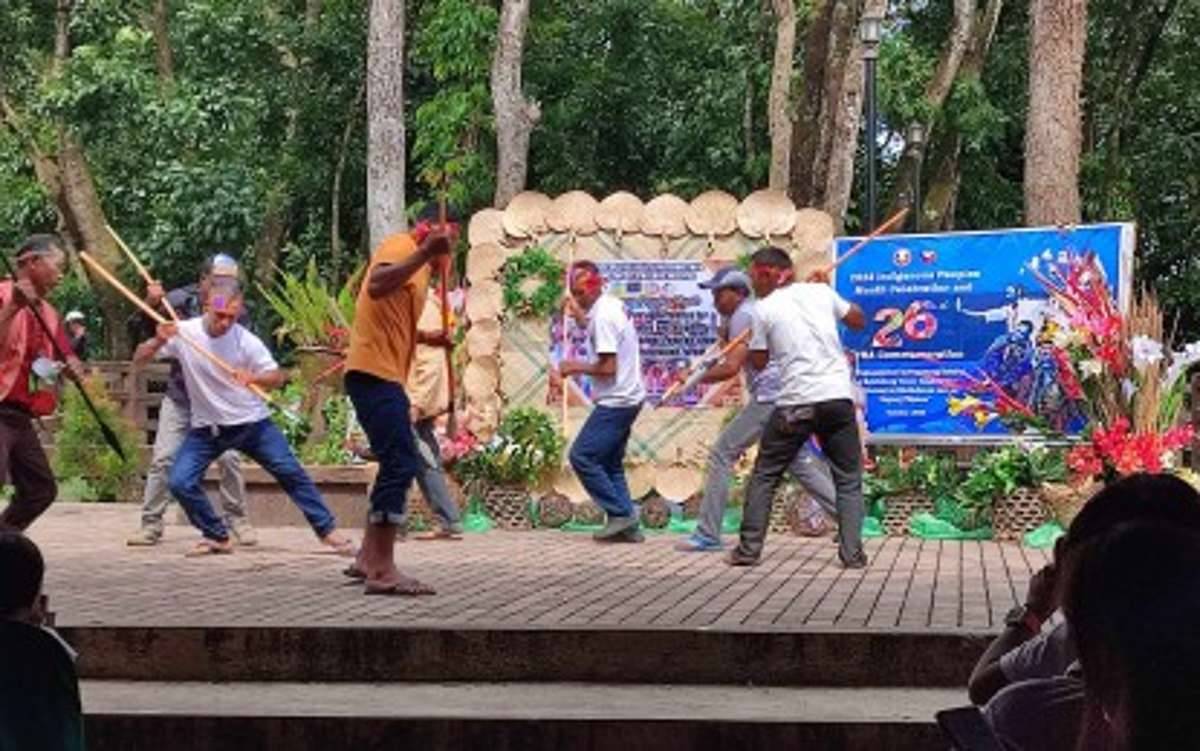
[{"x": 917, "y": 323}]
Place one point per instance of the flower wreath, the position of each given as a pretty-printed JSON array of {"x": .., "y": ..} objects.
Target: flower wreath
[{"x": 533, "y": 283}]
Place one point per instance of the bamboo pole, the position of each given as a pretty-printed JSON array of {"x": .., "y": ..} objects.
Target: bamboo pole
[
  {"x": 137, "y": 264},
  {"x": 200, "y": 349}
]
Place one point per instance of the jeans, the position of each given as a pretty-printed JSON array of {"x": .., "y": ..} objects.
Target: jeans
[
  {"x": 738, "y": 436},
  {"x": 787, "y": 430},
  {"x": 598, "y": 457},
  {"x": 431, "y": 478},
  {"x": 174, "y": 422},
  {"x": 263, "y": 443},
  {"x": 382, "y": 408},
  {"x": 24, "y": 463}
]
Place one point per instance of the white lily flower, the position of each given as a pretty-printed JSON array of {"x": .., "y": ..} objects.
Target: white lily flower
[
  {"x": 1146, "y": 352},
  {"x": 1091, "y": 368}
]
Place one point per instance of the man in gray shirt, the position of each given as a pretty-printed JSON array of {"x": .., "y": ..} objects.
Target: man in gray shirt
[
  {"x": 732, "y": 298},
  {"x": 174, "y": 421}
]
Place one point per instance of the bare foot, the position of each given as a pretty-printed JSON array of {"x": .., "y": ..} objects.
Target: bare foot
[
  {"x": 210, "y": 547},
  {"x": 399, "y": 585},
  {"x": 340, "y": 544}
]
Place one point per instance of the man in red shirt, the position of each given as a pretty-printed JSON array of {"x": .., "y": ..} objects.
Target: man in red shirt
[{"x": 26, "y": 363}]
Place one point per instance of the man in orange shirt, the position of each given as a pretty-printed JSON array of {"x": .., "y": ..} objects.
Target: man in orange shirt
[{"x": 382, "y": 343}]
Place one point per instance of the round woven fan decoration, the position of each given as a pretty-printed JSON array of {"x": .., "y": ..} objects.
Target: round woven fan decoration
[
  {"x": 486, "y": 226},
  {"x": 573, "y": 212},
  {"x": 484, "y": 300},
  {"x": 621, "y": 213},
  {"x": 481, "y": 377},
  {"x": 813, "y": 232},
  {"x": 484, "y": 261},
  {"x": 713, "y": 213},
  {"x": 526, "y": 214},
  {"x": 665, "y": 216},
  {"x": 566, "y": 483},
  {"x": 676, "y": 482},
  {"x": 766, "y": 213},
  {"x": 483, "y": 338}
]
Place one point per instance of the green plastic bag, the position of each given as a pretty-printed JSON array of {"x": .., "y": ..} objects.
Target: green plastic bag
[
  {"x": 476, "y": 518},
  {"x": 1044, "y": 536},
  {"x": 872, "y": 527},
  {"x": 929, "y": 527}
]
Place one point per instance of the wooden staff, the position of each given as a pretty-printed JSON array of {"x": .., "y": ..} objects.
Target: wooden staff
[
  {"x": 444, "y": 294},
  {"x": 137, "y": 264},
  {"x": 104, "y": 274},
  {"x": 697, "y": 368},
  {"x": 566, "y": 337},
  {"x": 882, "y": 229}
]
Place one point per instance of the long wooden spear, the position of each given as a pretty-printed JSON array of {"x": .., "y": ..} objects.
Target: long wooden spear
[
  {"x": 109, "y": 436},
  {"x": 444, "y": 294}
]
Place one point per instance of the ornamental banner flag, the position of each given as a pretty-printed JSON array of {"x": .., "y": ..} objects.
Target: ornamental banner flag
[{"x": 968, "y": 307}]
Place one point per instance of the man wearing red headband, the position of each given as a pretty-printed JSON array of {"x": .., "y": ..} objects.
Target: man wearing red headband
[
  {"x": 27, "y": 373},
  {"x": 598, "y": 454},
  {"x": 797, "y": 327}
]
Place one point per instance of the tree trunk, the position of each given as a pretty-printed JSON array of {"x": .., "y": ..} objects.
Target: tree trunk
[
  {"x": 81, "y": 214},
  {"x": 91, "y": 227},
  {"x": 936, "y": 93},
  {"x": 516, "y": 116},
  {"x": 829, "y": 113},
  {"x": 944, "y": 166},
  {"x": 164, "y": 59},
  {"x": 1054, "y": 127},
  {"x": 335, "y": 200},
  {"x": 312, "y": 12},
  {"x": 780, "y": 107},
  {"x": 385, "y": 120}
]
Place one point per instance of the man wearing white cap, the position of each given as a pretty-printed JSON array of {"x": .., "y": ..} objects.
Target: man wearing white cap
[
  {"x": 77, "y": 333},
  {"x": 175, "y": 414},
  {"x": 732, "y": 299}
]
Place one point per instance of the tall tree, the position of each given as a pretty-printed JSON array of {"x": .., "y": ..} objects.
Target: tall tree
[
  {"x": 385, "y": 120},
  {"x": 935, "y": 95},
  {"x": 780, "y": 101},
  {"x": 830, "y": 110},
  {"x": 516, "y": 115},
  {"x": 945, "y": 167},
  {"x": 1054, "y": 127}
]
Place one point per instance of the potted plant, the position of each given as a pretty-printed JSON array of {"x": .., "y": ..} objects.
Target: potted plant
[
  {"x": 1003, "y": 487},
  {"x": 900, "y": 488},
  {"x": 524, "y": 452},
  {"x": 81, "y": 455}
]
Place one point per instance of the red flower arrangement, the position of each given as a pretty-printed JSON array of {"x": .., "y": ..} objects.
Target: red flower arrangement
[{"x": 1119, "y": 450}]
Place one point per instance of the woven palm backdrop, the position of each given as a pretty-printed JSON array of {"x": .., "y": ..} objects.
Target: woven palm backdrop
[{"x": 509, "y": 354}]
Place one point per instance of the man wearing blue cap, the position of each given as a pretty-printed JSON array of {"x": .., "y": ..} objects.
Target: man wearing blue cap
[
  {"x": 732, "y": 299},
  {"x": 175, "y": 414}
]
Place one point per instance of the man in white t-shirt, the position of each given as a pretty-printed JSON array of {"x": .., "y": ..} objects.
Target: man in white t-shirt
[
  {"x": 227, "y": 415},
  {"x": 732, "y": 299},
  {"x": 796, "y": 326},
  {"x": 598, "y": 454}
]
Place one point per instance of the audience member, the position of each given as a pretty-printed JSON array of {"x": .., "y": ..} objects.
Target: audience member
[
  {"x": 39, "y": 691},
  {"x": 1033, "y": 685},
  {"x": 1133, "y": 600}
]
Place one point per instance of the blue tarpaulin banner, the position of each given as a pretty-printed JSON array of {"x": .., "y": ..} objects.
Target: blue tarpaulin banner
[{"x": 939, "y": 307}]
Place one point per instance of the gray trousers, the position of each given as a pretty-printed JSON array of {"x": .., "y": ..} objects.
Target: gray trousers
[
  {"x": 739, "y": 435},
  {"x": 431, "y": 477},
  {"x": 788, "y": 429},
  {"x": 174, "y": 422}
]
